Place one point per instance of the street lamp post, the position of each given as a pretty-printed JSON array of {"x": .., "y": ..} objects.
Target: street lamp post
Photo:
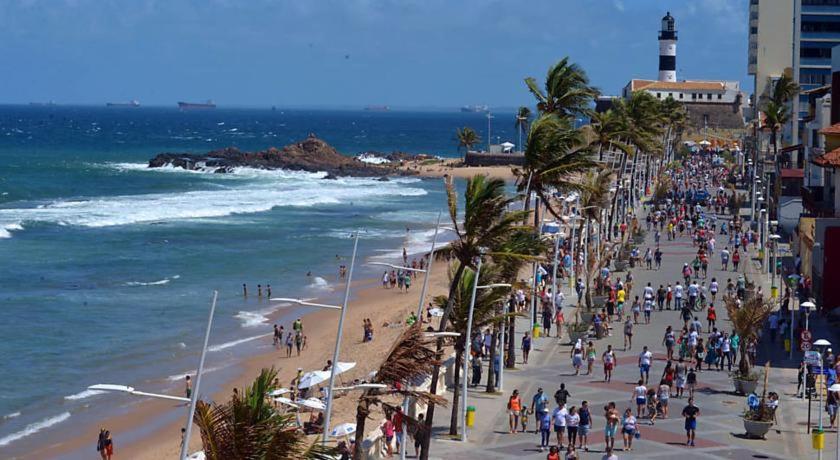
[
  {"x": 194, "y": 398},
  {"x": 467, "y": 349},
  {"x": 836, "y": 388},
  {"x": 774, "y": 290},
  {"x": 822, "y": 343}
]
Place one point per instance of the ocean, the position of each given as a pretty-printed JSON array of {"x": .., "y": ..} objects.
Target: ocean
[{"x": 109, "y": 267}]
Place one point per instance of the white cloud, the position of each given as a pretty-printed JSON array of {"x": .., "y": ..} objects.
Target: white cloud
[{"x": 619, "y": 5}]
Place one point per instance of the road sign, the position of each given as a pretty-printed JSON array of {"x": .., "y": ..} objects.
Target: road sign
[
  {"x": 804, "y": 346},
  {"x": 813, "y": 358},
  {"x": 805, "y": 336}
]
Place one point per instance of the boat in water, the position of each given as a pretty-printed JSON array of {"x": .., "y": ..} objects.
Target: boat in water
[
  {"x": 377, "y": 108},
  {"x": 196, "y": 105},
  {"x": 131, "y": 103},
  {"x": 475, "y": 109}
]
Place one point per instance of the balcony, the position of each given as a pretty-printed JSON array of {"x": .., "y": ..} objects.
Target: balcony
[
  {"x": 815, "y": 61},
  {"x": 820, "y": 9},
  {"x": 821, "y": 36}
]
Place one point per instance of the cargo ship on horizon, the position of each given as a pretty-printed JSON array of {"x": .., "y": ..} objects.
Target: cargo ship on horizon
[
  {"x": 131, "y": 103},
  {"x": 475, "y": 109},
  {"x": 209, "y": 104}
]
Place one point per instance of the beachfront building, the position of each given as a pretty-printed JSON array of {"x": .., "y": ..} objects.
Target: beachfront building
[{"x": 711, "y": 104}]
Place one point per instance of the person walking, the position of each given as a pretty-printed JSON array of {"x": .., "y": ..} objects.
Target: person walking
[
  {"x": 690, "y": 412},
  {"x": 583, "y": 428},
  {"x": 640, "y": 396},
  {"x": 645, "y": 359},
  {"x": 559, "y": 417},
  {"x": 526, "y": 347},
  {"x": 572, "y": 424},
  {"x": 628, "y": 429},
  {"x": 545, "y": 429},
  {"x": 611, "y": 425},
  {"x": 538, "y": 403},
  {"x": 628, "y": 333},
  {"x": 609, "y": 360},
  {"x": 514, "y": 407}
]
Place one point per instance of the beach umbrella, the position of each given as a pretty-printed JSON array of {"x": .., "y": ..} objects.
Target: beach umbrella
[
  {"x": 286, "y": 401},
  {"x": 345, "y": 429},
  {"x": 311, "y": 403},
  {"x": 437, "y": 312},
  {"x": 704, "y": 142},
  {"x": 197, "y": 456},
  {"x": 279, "y": 392},
  {"x": 313, "y": 378},
  {"x": 343, "y": 367}
]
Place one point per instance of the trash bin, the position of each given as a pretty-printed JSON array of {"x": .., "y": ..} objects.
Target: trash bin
[
  {"x": 818, "y": 439},
  {"x": 774, "y": 292},
  {"x": 536, "y": 330},
  {"x": 787, "y": 345},
  {"x": 470, "y": 416}
]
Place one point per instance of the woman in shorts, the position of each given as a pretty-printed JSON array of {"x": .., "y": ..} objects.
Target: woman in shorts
[
  {"x": 514, "y": 407},
  {"x": 628, "y": 429}
]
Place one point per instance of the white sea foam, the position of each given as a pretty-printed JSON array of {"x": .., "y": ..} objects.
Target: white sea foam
[
  {"x": 251, "y": 318},
  {"x": 152, "y": 283},
  {"x": 226, "y": 345},
  {"x": 319, "y": 284},
  {"x": 279, "y": 189},
  {"x": 424, "y": 217},
  {"x": 416, "y": 242},
  {"x": 180, "y": 376},
  {"x": 33, "y": 428},
  {"x": 11, "y": 416},
  {"x": 83, "y": 395}
]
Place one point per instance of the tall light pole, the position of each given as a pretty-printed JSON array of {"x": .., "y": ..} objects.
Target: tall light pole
[
  {"x": 185, "y": 444},
  {"x": 338, "y": 339},
  {"x": 467, "y": 350},
  {"x": 489, "y": 117},
  {"x": 822, "y": 343},
  {"x": 774, "y": 290}
]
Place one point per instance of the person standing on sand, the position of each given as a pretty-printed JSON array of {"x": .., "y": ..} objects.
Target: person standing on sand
[
  {"x": 100, "y": 444},
  {"x": 298, "y": 341},
  {"x": 385, "y": 279},
  {"x": 188, "y": 387},
  {"x": 106, "y": 449},
  {"x": 289, "y": 342}
]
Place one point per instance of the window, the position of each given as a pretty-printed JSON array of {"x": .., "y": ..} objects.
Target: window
[
  {"x": 720, "y": 96},
  {"x": 709, "y": 96},
  {"x": 659, "y": 95},
  {"x": 753, "y": 30},
  {"x": 820, "y": 26},
  {"x": 681, "y": 95},
  {"x": 824, "y": 53},
  {"x": 694, "y": 95}
]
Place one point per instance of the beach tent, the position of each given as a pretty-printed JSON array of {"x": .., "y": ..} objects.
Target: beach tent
[
  {"x": 313, "y": 378},
  {"x": 311, "y": 403},
  {"x": 508, "y": 146},
  {"x": 345, "y": 429},
  {"x": 343, "y": 367},
  {"x": 285, "y": 401}
]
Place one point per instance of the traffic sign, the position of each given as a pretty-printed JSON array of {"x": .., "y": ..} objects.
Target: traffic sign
[
  {"x": 804, "y": 346},
  {"x": 805, "y": 336}
]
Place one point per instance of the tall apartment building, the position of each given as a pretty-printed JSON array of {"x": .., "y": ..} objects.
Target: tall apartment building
[{"x": 770, "y": 43}]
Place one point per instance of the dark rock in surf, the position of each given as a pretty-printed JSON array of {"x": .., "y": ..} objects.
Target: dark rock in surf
[{"x": 311, "y": 155}]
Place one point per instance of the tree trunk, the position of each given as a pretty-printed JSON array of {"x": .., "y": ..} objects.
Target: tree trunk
[
  {"x": 527, "y": 206},
  {"x": 362, "y": 412},
  {"x": 491, "y": 375},
  {"x": 456, "y": 392},
  {"x": 430, "y": 412},
  {"x": 510, "y": 358}
]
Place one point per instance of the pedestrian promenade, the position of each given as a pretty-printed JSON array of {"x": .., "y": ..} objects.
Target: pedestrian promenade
[{"x": 720, "y": 431}]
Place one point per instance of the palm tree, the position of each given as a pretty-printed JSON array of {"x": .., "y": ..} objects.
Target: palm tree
[
  {"x": 567, "y": 90},
  {"x": 484, "y": 313},
  {"x": 247, "y": 427},
  {"x": 467, "y": 137},
  {"x": 555, "y": 155},
  {"x": 747, "y": 321},
  {"x": 594, "y": 197},
  {"x": 523, "y": 117},
  {"x": 410, "y": 359},
  {"x": 784, "y": 90},
  {"x": 487, "y": 224},
  {"x": 775, "y": 117},
  {"x": 605, "y": 132}
]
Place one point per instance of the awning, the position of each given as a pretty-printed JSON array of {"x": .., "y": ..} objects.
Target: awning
[
  {"x": 793, "y": 173},
  {"x": 791, "y": 148}
]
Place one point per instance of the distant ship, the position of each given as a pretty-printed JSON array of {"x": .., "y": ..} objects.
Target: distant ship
[
  {"x": 131, "y": 103},
  {"x": 475, "y": 109},
  {"x": 196, "y": 105},
  {"x": 43, "y": 104},
  {"x": 377, "y": 108}
]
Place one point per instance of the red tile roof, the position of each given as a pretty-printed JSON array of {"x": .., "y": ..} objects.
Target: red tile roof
[
  {"x": 833, "y": 129},
  {"x": 828, "y": 160},
  {"x": 636, "y": 85}
]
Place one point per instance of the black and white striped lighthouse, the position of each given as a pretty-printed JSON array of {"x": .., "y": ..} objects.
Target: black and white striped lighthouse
[{"x": 668, "y": 49}]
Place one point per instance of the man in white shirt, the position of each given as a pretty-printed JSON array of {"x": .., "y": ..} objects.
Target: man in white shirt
[
  {"x": 693, "y": 292},
  {"x": 559, "y": 418},
  {"x": 645, "y": 359},
  {"x": 648, "y": 292},
  {"x": 692, "y": 341},
  {"x": 678, "y": 296}
]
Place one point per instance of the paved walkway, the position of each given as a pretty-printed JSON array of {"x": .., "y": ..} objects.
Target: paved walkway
[{"x": 720, "y": 431}]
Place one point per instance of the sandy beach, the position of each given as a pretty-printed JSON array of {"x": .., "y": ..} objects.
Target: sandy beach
[
  {"x": 387, "y": 308},
  {"x": 455, "y": 168}
]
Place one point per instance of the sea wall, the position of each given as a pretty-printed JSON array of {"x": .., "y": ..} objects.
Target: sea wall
[{"x": 494, "y": 159}]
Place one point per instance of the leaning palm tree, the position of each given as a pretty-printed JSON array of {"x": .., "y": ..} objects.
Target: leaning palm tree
[
  {"x": 467, "y": 137},
  {"x": 487, "y": 303},
  {"x": 411, "y": 359},
  {"x": 486, "y": 225},
  {"x": 247, "y": 427},
  {"x": 567, "y": 91},
  {"x": 556, "y": 154},
  {"x": 784, "y": 90},
  {"x": 523, "y": 117},
  {"x": 605, "y": 132}
]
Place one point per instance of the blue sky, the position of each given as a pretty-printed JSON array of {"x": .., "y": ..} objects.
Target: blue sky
[{"x": 348, "y": 52}]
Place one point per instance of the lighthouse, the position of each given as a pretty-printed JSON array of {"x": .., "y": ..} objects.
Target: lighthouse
[{"x": 668, "y": 49}]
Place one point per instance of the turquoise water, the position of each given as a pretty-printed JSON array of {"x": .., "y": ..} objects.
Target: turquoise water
[{"x": 108, "y": 267}]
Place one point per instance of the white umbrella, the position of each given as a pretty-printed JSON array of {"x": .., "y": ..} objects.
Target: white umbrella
[
  {"x": 285, "y": 401},
  {"x": 704, "y": 142},
  {"x": 437, "y": 312},
  {"x": 279, "y": 392},
  {"x": 345, "y": 429},
  {"x": 508, "y": 145},
  {"x": 343, "y": 367},
  {"x": 311, "y": 403},
  {"x": 313, "y": 378}
]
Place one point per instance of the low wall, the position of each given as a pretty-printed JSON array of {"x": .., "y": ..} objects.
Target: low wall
[{"x": 494, "y": 159}]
